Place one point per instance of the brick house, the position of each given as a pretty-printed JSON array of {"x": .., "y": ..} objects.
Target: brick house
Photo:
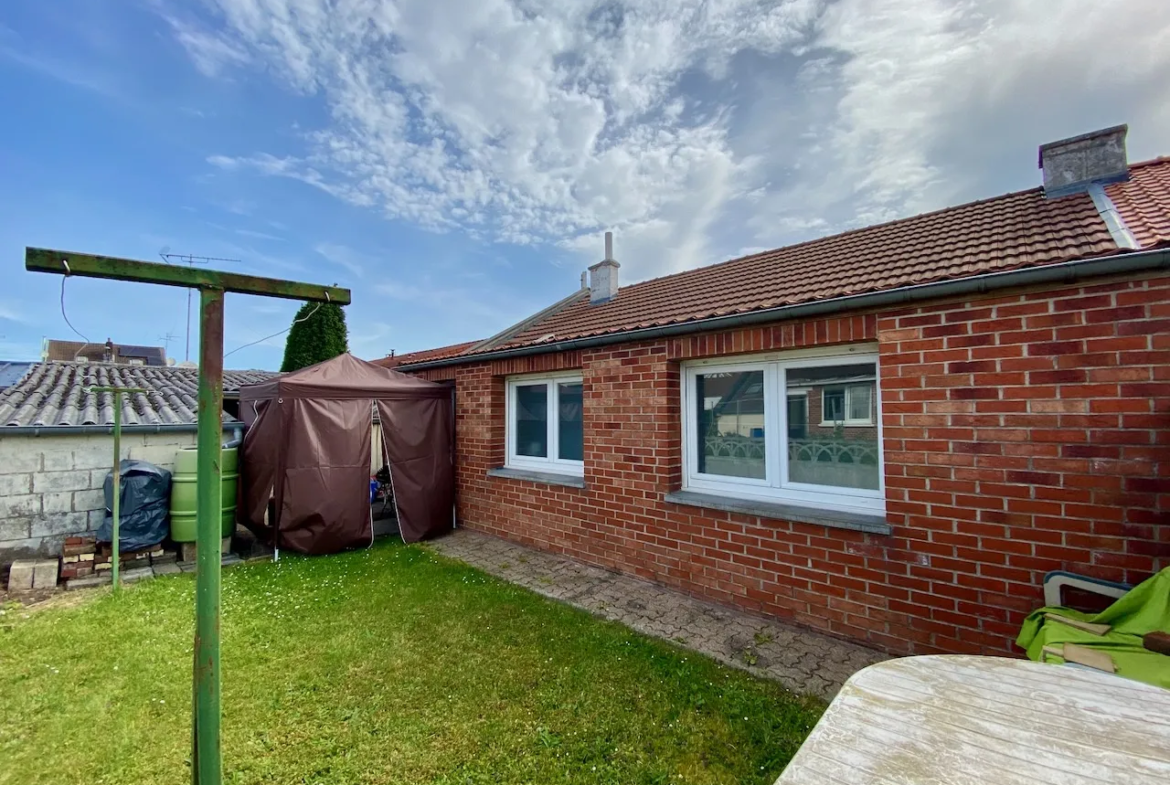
[{"x": 890, "y": 434}]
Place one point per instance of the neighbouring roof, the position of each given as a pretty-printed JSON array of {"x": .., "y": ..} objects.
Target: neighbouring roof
[
  {"x": 1017, "y": 230},
  {"x": 393, "y": 361},
  {"x": 53, "y": 393},
  {"x": 11, "y": 372},
  {"x": 96, "y": 352}
]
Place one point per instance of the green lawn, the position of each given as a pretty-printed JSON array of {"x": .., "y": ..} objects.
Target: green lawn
[{"x": 392, "y": 665}]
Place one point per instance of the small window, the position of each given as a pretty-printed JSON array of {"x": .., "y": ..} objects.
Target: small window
[
  {"x": 797, "y": 427},
  {"x": 545, "y": 425},
  {"x": 851, "y": 405}
]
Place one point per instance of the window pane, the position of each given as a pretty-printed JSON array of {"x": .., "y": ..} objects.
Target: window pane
[
  {"x": 571, "y": 433},
  {"x": 532, "y": 420},
  {"x": 859, "y": 406},
  {"x": 797, "y": 416},
  {"x": 833, "y": 409},
  {"x": 831, "y": 452},
  {"x": 731, "y": 423}
]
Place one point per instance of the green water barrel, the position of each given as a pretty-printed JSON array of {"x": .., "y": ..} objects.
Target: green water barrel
[{"x": 183, "y": 495}]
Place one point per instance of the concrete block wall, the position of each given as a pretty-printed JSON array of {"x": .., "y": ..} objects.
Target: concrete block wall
[{"x": 51, "y": 485}]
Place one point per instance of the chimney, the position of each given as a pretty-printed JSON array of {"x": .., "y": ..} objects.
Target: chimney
[
  {"x": 603, "y": 276},
  {"x": 109, "y": 355},
  {"x": 1071, "y": 165}
]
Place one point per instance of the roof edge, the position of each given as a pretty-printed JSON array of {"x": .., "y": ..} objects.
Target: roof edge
[
  {"x": 75, "y": 430},
  {"x": 524, "y": 324},
  {"x": 1061, "y": 272}
]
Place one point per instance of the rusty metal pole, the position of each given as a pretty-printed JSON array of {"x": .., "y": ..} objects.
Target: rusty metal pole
[{"x": 206, "y": 759}]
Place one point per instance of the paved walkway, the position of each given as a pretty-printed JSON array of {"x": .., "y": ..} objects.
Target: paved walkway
[{"x": 801, "y": 660}]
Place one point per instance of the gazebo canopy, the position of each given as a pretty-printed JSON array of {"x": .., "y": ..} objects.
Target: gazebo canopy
[
  {"x": 345, "y": 377},
  {"x": 308, "y": 449}
]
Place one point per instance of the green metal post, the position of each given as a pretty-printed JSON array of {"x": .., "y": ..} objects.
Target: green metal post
[
  {"x": 117, "y": 488},
  {"x": 207, "y": 761},
  {"x": 117, "y": 484}
]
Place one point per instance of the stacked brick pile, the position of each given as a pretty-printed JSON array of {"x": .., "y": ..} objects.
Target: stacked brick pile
[
  {"x": 77, "y": 557},
  {"x": 130, "y": 560}
]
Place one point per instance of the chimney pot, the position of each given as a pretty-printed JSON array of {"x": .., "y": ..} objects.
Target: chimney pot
[
  {"x": 1071, "y": 165},
  {"x": 603, "y": 276}
]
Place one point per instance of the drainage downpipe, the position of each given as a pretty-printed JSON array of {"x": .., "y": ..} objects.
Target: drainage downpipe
[
  {"x": 1062, "y": 273},
  {"x": 237, "y": 429}
]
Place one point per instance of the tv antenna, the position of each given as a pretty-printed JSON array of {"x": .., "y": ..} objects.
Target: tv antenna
[
  {"x": 190, "y": 260},
  {"x": 166, "y": 339}
]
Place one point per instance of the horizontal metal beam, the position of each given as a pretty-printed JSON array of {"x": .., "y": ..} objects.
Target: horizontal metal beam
[{"x": 47, "y": 260}]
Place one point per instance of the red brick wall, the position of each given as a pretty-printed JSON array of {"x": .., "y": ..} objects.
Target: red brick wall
[{"x": 1023, "y": 433}]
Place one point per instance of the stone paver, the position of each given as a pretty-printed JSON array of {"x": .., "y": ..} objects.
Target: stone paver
[{"x": 801, "y": 660}]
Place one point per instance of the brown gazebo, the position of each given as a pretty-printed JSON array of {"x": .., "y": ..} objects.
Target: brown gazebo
[{"x": 307, "y": 449}]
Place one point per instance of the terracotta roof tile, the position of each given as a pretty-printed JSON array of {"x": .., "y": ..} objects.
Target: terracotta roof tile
[
  {"x": 1022, "y": 229},
  {"x": 440, "y": 353},
  {"x": 1012, "y": 231},
  {"x": 1144, "y": 201}
]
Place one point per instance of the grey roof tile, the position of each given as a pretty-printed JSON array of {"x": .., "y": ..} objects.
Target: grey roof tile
[{"x": 54, "y": 393}]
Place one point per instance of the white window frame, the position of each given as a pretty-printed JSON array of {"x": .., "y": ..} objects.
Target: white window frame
[
  {"x": 551, "y": 463},
  {"x": 847, "y": 421},
  {"x": 774, "y": 488}
]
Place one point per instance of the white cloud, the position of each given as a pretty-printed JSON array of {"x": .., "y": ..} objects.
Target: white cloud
[
  {"x": 937, "y": 102},
  {"x": 211, "y": 53},
  {"x": 370, "y": 340},
  {"x": 268, "y": 308},
  {"x": 466, "y": 307},
  {"x": 693, "y": 129},
  {"x": 10, "y": 314},
  {"x": 343, "y": 256},
  {"x": 258, "y": 235}
]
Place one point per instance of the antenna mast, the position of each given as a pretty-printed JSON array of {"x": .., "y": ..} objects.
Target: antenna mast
[
  {"x": 166, "y": 339},
  {"x": 190, "y": 260}
]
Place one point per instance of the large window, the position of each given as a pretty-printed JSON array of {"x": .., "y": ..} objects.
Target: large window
[
  {"x": 799, "y": 428},
  {"x": 545, "y": 428}
]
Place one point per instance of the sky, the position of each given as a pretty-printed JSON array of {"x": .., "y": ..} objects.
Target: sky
[{"x": 455, "y": 164}]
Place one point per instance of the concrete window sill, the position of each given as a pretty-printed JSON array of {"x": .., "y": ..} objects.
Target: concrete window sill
[
  {"x": 548, "y": 478},
  {"x": 862, "y": 522}
]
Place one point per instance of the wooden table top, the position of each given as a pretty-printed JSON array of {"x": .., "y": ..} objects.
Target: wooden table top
[{"x": 960, "y": 720}]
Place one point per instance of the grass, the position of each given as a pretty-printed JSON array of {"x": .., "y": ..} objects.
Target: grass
[{"x": 392, "y": 665}]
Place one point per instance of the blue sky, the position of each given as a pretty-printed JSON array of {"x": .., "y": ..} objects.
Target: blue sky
[{"x": 456, "y": 163}]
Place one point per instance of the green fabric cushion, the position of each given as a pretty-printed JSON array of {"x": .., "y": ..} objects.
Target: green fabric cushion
[{"x": 1145, "y": 608}]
